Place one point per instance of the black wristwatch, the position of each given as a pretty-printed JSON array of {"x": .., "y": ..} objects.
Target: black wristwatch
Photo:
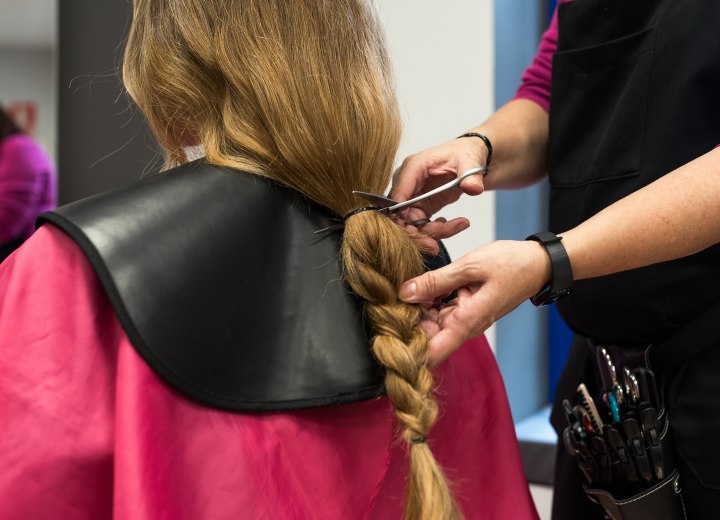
[{"x": 561, "y": 279}]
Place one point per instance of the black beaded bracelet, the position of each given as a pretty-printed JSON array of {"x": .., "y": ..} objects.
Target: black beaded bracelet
[{"x": 484, "y": 140}]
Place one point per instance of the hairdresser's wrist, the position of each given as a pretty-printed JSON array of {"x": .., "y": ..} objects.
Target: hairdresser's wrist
[
  {"x": 479, "y": 147},
  {"x": 486, "y": 141}
]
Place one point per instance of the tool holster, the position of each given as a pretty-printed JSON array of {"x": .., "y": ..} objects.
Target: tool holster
[{"x": 662, "y": 501}]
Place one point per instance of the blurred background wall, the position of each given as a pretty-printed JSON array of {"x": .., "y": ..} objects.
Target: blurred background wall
[{"x": 27, "y": 68}]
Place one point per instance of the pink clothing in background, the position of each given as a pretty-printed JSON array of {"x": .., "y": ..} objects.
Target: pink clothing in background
[
  {"x": 27, "y": 186},
  {"x": 535, "y": 82},
  {"x": 89, "y": 431}
]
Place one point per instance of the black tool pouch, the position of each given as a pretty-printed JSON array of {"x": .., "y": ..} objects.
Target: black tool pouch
[
  {"x": 663, "y": 501},
  {"x": 620, "y": 434}
]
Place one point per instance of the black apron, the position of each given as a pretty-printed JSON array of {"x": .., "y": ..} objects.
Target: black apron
[{"x": 635, "y": 94}]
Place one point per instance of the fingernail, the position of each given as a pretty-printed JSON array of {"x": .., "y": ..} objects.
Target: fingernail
[{"x": 407, "y": 291}]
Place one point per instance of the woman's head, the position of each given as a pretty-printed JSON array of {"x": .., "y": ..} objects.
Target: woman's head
[
  {"x": 300, "y": 91},
  {"x": 7, "y": 125}
]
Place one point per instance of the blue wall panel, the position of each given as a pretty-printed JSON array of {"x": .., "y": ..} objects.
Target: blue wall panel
[
  {"x": 521, "y": 335},
  {"x": 532, "y": 343}
]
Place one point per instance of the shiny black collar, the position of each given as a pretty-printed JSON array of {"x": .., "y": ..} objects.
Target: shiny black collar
[{"x": 222, "y": 288}]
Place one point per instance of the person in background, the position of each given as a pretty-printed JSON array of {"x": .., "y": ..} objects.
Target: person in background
[
  {"x": 621, "y": 109},
  {"x": 189, "y": 347},
  {"x": 27, "y": 185}
]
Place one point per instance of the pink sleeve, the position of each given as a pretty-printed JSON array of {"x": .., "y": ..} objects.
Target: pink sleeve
[
  {"x": 27, "y": 186},
  {"x": 535, "y": 83},
  {"x": 58, "y": 338}
]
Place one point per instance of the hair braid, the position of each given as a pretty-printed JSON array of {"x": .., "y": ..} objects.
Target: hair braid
[{"x": 378, "y": 256}]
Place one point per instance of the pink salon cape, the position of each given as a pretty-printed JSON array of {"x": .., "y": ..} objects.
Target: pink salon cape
[{"x": 89, "y": 431}]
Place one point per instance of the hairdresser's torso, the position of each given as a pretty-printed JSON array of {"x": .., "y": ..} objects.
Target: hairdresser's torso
[{"x": 634, "y": 96}]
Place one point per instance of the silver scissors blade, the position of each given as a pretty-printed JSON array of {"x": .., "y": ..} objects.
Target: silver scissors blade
[
  {"x": 385, "y": 202},
  {"x": 379, "y": 200},
  {"x": 440, "y": 189}
]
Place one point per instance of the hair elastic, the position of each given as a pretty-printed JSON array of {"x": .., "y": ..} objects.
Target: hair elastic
[
  {"x": 340, "y": 223},
  {"x": 359, "y": 210},
  {"x": 419, "y": 440}
]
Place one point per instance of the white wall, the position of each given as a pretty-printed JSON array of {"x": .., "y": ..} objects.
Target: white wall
[
  {"x": 27, "y": 74},
  {"x": 443, "y": 56}
]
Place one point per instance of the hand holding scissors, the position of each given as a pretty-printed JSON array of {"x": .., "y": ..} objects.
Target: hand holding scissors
[
  {"x": 412, "y": 216},
  {"x": 391, "y": 206},
  {"x": 403, "y": 211}
]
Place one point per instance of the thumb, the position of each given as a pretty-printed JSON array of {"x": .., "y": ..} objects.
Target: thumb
[
  {"x": 430, "y": 286},
  {"x": 473, "y": 185}
]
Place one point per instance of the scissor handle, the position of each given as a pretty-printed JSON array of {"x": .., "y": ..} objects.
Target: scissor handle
[{"x": 447, "y": 186}]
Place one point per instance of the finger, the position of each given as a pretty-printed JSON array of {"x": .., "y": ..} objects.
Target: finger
[
  {"x": 419, "y": 174},
  {"x": 474, "y": 184},
  {"x": 433, "y": 284},
  {"x": 456, "y": 327},
  {"x": 426, "y": 244},
  {"x": 429, "y": 327},
  {"x": 429, "y": 321},
  {"x": 423, "y": 242},
  {"x": 440, "y": 228},
  {"x": 413, "y": 213},
  {"x": 409, "y": 178},
  {"x": 432, "y": 312},
  {"x": 443, "y": 344},
  {"x": 445, "y": 312}
]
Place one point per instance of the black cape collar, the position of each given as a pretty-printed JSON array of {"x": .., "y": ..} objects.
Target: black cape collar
[{"x": 222, "y": 288}]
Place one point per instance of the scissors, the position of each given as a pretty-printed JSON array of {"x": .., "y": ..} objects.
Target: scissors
[{"x": 388, "y": 206}]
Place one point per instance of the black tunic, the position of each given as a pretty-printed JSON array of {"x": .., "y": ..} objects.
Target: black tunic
[{"x": 636, "y": 94}]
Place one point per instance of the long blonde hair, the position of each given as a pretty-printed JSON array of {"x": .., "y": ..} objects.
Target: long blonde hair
[{"x": 300, "y": 91}]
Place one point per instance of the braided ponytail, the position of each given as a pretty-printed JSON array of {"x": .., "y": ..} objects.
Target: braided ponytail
[{"x": 377, "y": 257}]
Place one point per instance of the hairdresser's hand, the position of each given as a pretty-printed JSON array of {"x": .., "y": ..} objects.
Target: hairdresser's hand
[
  {"x": 491, "y": 281},
  {"x": 426, "y": 235},
  {"x": 436, "y": 166}
]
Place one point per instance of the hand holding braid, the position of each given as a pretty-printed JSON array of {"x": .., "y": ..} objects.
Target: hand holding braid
[{"x": 378, "y": 256}]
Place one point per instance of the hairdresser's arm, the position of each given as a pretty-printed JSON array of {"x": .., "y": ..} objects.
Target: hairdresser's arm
[
  {"x": 673, "y": 217},
  {"x": 518, "y": 133}
]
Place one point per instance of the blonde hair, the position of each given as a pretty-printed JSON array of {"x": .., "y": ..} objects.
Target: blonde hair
[{"x": 301, "y": 92}]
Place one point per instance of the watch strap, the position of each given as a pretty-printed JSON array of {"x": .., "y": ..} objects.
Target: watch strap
[{"x": 561, "y": 278}]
